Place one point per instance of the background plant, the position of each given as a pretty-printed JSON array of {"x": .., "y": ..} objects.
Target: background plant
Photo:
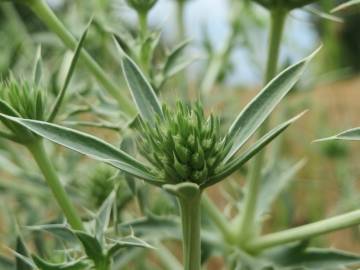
[{"x": 86, "y": 105}]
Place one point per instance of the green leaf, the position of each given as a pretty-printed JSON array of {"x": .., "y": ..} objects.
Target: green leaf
[
  {"x": 38, "y": 68},
  {"x": 22, "y": 255},
  {"x": 236, "y": 163},
  {"x": 61, "y": 95},
  {"x": 256, "y": 112},
  {"x": 102, "y": 218},
  {"x": 171, "y": 66},
  {"x": 127, "y": 242},
  {"x": 44, "y": 265},
  {"x": 157, "y": 227},
  {"x": 346, "y": 5},
  {"x": 298, "y": 255},
  {"x": 324, "y": 15},
  {"x": 61, "y": 231},
  {"x": 274, "y": 183},
  {"x": 348, "y": 135},
  {"x": 88, "y": 145},
  {"x": 143, "y": 94},
  {"x": 91, "y": 246}
]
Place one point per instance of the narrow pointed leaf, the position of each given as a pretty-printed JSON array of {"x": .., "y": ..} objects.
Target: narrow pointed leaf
[
  {"x": 131, "y": 241},
  {"x": 274, "y": 183},
  {"x": 88, "y": 145},
  {"x": 346, "y": 5},
  {"x": 38, "y": 67},
  {"x": 348, "y": 135},
  {"x": 172, "y": 61},
  {"x": 142, "y": 93},
  {"x": 256, "y": 112},
  {"x": 61, "y": 95},
  {"x": 44, "y": 265},
  {"x": 91, "y": 246},
  {"x": 324, "y": 15},
  {"x": 22, "y": 260},
  {"x": 236, "y": 163},
  {"x": 103, "y": 216},
  {"x": 61, "y": 231}
]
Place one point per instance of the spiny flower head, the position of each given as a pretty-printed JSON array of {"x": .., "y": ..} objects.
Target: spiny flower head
[
  {"x": 25, "y": 98},
  {"x": 184, "y": 145}
]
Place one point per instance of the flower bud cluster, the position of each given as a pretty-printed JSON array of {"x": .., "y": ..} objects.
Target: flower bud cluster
[
  {"x": 184, "y": 145},
  {"x": 141, "y": 6},
  {"x": 26, "y": 99}
]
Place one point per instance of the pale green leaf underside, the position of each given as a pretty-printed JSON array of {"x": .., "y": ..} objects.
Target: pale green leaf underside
[
  {"x": 255, "y": 113},
  {"x": 348, "y": 135},
  {"x": 142, "y": 93},
  {"x": 236, "y": 163},
  {"x": 273, "y": 184},
  {"x": 88, "y": 145}
]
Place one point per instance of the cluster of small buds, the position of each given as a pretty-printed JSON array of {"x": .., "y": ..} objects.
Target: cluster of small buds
[
  {"x": 25, "y": 98},
  {"x": 184, "y": 145},
  {"x": 141, "y": 6}
]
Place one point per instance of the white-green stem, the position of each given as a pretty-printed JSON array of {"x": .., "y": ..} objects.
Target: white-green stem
[
  {"x": 247, "y": 223},
  {"x": 190, "y": 218},
  {"x": 304, "y": 232},
  {"x": 43, "y": 11},
  {"x": 39, "y": 154}
]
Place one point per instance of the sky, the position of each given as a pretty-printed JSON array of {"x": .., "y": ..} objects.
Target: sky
[{"x": 299, "y": 38}]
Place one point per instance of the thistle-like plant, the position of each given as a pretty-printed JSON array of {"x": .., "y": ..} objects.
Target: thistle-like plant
[{"x": 185, "y": 150}]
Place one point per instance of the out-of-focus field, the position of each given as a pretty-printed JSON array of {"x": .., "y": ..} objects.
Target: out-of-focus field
[{"x": 330, "y": 181}]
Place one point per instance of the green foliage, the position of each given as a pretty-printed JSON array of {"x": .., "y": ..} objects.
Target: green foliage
[
  {"x": 183, "y": 145},
  {"x": 181, "y": 149}
]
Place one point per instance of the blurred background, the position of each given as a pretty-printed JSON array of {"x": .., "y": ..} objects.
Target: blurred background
[{"x": 329, "y": 182}]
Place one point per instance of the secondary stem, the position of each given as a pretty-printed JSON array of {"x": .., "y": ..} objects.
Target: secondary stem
[
  {"x": 217, "y": 218},
  {"x": 247, "y": 227},
  {"x": 180, "y": 19},
  {"x": 38, "y": 152},
  {"x": 190, "y": 217},
  {"x": 306, "y": 231},
  {"x": 43, "y": 11}
]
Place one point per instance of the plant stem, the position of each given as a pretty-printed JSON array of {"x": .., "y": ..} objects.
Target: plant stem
[
  {"x": 143, "y": 24},
  {"x": 190, "y": 217},
  {"x": 217, "y": 218},
  {"x": 180, "y": 16},
  {"x": 247, "y": 227},
  {"x": 43, "y": 11},
  {"x": 38, "y": 152},
  {"x": 306, "y": 231}
]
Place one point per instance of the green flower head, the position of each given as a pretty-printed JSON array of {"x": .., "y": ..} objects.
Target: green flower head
[
  {"x": 286, "y": 4},
  {"x": 184, "y": 145},
  {"x": 25, "y": 98},
  {"x": 141, "y": 6}
]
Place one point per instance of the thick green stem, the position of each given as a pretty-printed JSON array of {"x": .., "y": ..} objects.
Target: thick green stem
[
  {"x": 190, "y": 217},
  {"x": 143, "y": 24},
  {"x": 43, "y": 11},
  {"x": 247, "y": 227},
  {"x": 306, "y": 231},
  {"x": 38, "y": 152}
]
